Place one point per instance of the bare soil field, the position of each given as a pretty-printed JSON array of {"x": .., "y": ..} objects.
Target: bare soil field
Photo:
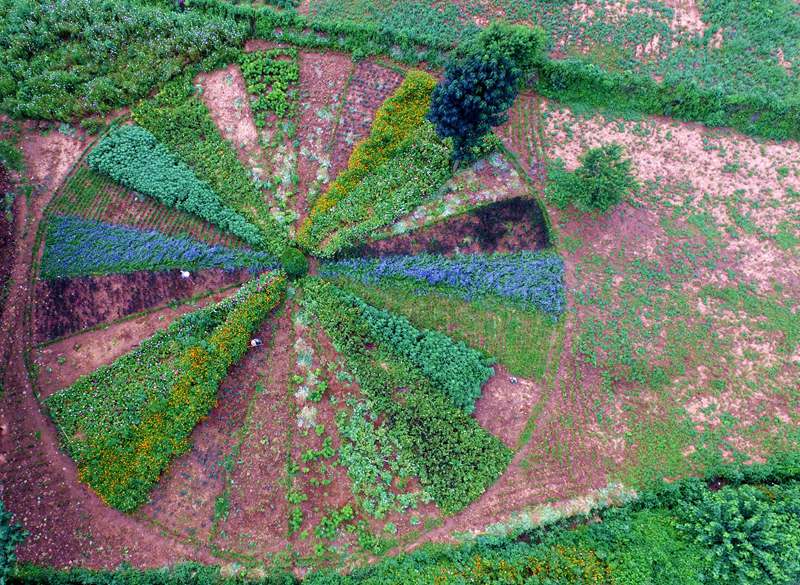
[{"x": 67, "y": 305}]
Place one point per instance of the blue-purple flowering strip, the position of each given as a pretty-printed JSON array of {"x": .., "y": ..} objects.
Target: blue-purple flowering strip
[
  {"x": 76, "y": 246},
  {"x": 534, "y": 279}
]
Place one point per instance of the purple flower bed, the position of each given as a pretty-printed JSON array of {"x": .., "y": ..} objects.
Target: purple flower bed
[
  {"x": 78, "y": 247},
  {"x": 531, "y": 278}
]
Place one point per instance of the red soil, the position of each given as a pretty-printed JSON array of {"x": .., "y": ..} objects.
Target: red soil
[{"x": 67, "y": 305}]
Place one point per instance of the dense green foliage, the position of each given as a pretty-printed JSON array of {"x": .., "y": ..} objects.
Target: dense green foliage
[
  {"x": 67, "y": 58},
  {"x": 749, "y": 535},
  {"x": 455, "y": 458},
  {"x": 482, "y": 82},
  {"x": 125, "y": 422},
  {"x": 180, "y": 120},
  {"x": 601, "y": 181},
  {"x": 11, "y": 534},
  {"x": 294, "y": 262},
  {"x": 457, "y": 370},
  {"x": 414, "y": 173},
  {"x": 269, "y": 76},
  {"x": 136, "y": 159}
]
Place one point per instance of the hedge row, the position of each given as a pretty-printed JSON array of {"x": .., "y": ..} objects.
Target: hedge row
[
  {"x": 570, "y": 80},
  {"x": 124, "y": 423},
  {"x": 456, "y": 458},
  {"x": 361, "y": 39},
  {"x": 134, "y": 157}
]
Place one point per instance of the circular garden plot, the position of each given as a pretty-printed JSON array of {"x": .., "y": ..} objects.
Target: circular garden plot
[{"x": 209, "y": 397}]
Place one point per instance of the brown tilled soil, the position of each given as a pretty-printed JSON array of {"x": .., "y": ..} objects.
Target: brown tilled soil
[
  {"x": 256, "y": 512},
  {"x": 60, "y": 363},
  {"x": 506, "y": 226},
  {"x": 323, "y": 77},
  {"x": 6, "y": 232},
  {"x": 369, "y": 87},
  {"x": 67, "y": 305}
]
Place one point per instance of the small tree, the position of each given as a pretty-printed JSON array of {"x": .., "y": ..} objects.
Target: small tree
[
  {"x": 481, "y": 83},
  {"x": 600, "y": 183}
]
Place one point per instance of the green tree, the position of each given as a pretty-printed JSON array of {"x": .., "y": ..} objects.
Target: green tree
[
  {"x": 598, "y": 184},
  {"x": 481, "y": 83}
]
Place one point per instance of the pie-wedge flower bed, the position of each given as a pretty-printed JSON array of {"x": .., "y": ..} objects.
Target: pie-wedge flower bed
[
  {"x": 124, "y": 423},
  {"x": 396, "y": 121},
  {"x": 457, "y": 460},
  {"x": 75, "y": 246},
  {"x": 134, "y": 157}
]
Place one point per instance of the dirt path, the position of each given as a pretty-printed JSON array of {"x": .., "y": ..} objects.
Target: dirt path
[{"x": 67, "y": 522}]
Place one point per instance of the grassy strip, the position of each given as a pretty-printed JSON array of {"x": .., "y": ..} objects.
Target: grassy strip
[
  {"x": 125, "y": 422},
  {"x": 520, "y": 339}
]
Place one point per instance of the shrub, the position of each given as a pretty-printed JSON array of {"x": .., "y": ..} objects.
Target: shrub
[
  {"x": 136, "y": 159},
  {"x": 601, "y": 182},
  {"x": 294, "y": 263},
  {"x": 746, "y": 537},
  {"x": 268, "y": 79},
  {"x": 10, "y": 536}
]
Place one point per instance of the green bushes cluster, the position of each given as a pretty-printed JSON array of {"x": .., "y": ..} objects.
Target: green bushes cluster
[
  {"x": 11, "y": 534},
  {"x": 68, "y": 58},
  {"x": 268, "y": 76},
  {"x": 135, "y": 158},
  {"x": 124, "y": 423},
  {"x": 457, "y": 370},
  {"x": 181, "y": 121},
  {"x": 455, "y": 458},
  {"x": 601, "y": 181}
]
